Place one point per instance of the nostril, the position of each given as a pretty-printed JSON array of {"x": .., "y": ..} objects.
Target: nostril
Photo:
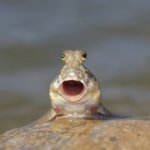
[{"x": 71, "y": 74}]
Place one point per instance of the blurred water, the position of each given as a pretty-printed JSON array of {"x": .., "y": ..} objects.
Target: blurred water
[{"x": 116, "y": 35}]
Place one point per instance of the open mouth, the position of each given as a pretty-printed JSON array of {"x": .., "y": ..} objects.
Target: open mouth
[{"x": 72, "y": 88}]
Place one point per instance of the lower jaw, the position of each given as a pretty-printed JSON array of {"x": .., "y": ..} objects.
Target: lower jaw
[{"x": 73, "y": 99}]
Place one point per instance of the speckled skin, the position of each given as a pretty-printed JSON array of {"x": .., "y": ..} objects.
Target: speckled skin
[
  {"x": 70, "y": 130},
  {"x": 80, "y": 134},
  {"x": 85, "y": 105}
]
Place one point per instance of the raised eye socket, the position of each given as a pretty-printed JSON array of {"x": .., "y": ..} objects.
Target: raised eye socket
[
  {"x": 63, "y": 56},
  {"x": 84, "y": 56}
]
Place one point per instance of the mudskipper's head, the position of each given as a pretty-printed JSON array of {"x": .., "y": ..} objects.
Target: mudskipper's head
[{"x": 76, "y": 89}]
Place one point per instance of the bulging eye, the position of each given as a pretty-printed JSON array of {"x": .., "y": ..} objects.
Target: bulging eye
[
  {"x": 63, "y": 56},
  {"x": 84, "y": 56}
]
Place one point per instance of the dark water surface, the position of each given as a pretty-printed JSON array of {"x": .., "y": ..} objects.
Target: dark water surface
[{"x": 116, "y": 35}]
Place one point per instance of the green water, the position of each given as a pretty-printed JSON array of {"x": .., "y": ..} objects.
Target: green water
[{"x": 115, "y": 34}]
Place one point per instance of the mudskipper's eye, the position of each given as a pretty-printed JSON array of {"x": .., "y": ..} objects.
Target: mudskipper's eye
[
  {"x": 84, "y": 56},
  {"x": 63, "y": 56}
]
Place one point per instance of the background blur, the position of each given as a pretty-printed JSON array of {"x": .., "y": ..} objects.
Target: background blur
[{"x": 116, "y": 35}]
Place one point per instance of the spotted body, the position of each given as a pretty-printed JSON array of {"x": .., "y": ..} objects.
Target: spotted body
[{"x": 75, "y": 92}]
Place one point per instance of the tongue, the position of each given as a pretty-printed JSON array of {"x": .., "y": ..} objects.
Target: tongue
[{"x": 72, "y": 87}]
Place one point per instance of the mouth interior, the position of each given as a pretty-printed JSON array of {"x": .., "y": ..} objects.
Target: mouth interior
[{"x": 72, "y": 87}]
